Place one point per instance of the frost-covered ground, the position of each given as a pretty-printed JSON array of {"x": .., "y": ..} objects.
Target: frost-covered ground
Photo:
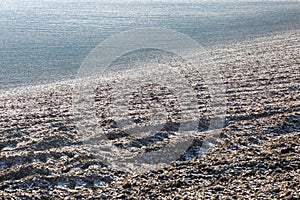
[{"x": 257, "y": 156}]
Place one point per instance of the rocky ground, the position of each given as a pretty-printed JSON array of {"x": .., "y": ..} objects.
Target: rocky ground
[{"x": 256, "y": 157}]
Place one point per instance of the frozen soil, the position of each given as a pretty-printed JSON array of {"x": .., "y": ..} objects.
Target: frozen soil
[{"x": 256, "y": 157}]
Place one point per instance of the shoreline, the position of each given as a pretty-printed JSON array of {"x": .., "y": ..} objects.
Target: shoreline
[{"x": 212, "y": 49}]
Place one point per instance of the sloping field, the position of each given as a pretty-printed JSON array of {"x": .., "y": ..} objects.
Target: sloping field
[{"x": 257, "y": 155}]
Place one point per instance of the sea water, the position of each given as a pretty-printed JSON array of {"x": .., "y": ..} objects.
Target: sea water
[{"x": 46, "y": 41}]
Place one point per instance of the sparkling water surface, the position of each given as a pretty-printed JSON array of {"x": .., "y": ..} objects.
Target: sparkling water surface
[{"x": 46, "y": 41}]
